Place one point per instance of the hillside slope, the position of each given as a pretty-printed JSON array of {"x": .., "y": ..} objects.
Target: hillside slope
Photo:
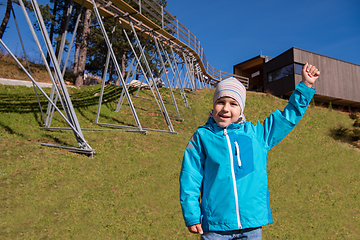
[{"x": 129, "y": 190}]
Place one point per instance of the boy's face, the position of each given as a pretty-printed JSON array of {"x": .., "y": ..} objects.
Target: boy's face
[{"x": 226, "y": 110}]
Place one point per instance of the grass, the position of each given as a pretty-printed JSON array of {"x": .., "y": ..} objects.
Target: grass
[{"x": 129, "y": 190}]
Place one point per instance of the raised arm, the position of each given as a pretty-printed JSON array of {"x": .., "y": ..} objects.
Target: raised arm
[{"x": 280, "y": 123}]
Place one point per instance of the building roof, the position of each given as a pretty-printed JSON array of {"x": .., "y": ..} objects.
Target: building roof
[{"x": 253, "y": 61}]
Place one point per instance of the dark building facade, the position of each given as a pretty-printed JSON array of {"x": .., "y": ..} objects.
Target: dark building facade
[{"x": 339, "y": 82}]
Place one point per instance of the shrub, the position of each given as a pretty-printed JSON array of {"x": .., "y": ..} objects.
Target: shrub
[
  {"x": 355, "y": 136},
  {"x": 341, "y": 131},
  {"x": 346, "y": 134},
  {"x": 330, "y": 106},
  {"x": 357, "y": 123},
  {"x": 353, "y": 116},
  {"x": 312, "y": 103}
]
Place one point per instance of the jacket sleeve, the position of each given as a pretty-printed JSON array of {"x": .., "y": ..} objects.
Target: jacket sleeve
[
  {"x": 280, "y": 123},
  {"x": 191, "y": 177}
]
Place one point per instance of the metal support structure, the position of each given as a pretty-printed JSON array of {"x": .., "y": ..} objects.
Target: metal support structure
[
  {"x": 67, "y": 105},
  {"x": 73, "y": 35},
  {"x": 104, "y": 76},
  {"x": 59, "y": 57},
  {"x": 27, "y": 62},
  {"x": 128, "y": 80},
  {"x": 163, "y": 52},
  {"x": 172, "y": 41},
  {"x": 41, "y": 53},
  {"x": 85, "y": 147},
  {"x": 139, "y": 60},
  {"x": 189, "y": 65},
  {"x": 162, "y": 106},
  {"x": 177, "y": 75},
  {"x": 124, "y": 83},
  {"x": 113, "y": 58},
  {"x": 176, "y": 78},
  {"x": 70, "y": 116}
]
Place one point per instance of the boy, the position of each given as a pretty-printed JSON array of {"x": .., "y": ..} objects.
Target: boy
[{"x": 223, "y": 181}]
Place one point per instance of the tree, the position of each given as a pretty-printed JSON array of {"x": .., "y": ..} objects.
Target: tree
[
  {"x": 83, "y": 49},
  {"x": 76, "y": 55},
  {"x": 6, "y": 18}
]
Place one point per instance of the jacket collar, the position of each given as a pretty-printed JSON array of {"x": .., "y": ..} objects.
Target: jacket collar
[{"x": 218, "y": 130}]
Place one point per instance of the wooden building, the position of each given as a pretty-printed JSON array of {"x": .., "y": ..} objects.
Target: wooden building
[{"x": 339, "y": 82}]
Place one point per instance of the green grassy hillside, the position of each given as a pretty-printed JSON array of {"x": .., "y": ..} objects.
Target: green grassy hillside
[{"x": 129, "y": 190}]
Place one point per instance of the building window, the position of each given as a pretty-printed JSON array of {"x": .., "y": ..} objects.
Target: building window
[
  {"x": 281, "y": 73},
  {"x": 298, "y": 68}
]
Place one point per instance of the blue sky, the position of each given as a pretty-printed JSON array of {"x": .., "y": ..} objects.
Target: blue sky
[{"x": 232, "y": 31}]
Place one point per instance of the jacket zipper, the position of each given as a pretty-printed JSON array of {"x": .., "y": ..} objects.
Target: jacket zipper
[{"x": 234, "y": 180}]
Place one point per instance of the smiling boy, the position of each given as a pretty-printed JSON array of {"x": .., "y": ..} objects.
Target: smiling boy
[{"x": 223, "y": 181}]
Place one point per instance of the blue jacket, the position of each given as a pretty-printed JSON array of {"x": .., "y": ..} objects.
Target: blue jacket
[{"x": 223, "y": 179}]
